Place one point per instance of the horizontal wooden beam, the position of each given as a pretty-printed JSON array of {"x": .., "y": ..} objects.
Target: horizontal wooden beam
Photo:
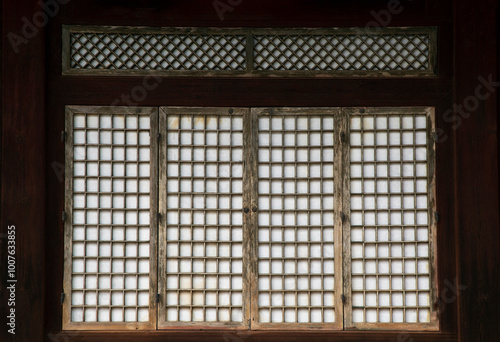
[
  {"x": 123, "y": 91},
  {"x": 255, "y": 336}
]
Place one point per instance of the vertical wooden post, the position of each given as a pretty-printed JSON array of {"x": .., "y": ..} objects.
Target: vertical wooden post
[
  {"x": 22, "y": 165},
  {"x": 476, "y": 154}
]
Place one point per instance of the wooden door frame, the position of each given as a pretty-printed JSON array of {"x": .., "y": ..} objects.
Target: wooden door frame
[{"x": 32, "y": 154}]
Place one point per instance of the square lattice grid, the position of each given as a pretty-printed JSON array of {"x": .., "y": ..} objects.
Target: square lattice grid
[
  {"x": 296, "y": 278},
  {"x": 253, "y": 206},
  {"x": 203, "y": 223},
  {"x": 108, "y": 267},
  {"x": 390, "y": 205}
]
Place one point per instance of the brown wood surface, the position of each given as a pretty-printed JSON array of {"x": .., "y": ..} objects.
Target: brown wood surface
[
  {"x": 258, "y": 336},
  {"x": 476, "y": 201},
  {"x": 250, "y": 192},
  {"x": 22, "y": 171}
]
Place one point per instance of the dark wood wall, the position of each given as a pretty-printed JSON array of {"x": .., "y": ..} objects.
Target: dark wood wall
[
  {"x": 476, "y": 157},
  {"x": 23, "y": 200},
  {"x": 34, "y": 94}
]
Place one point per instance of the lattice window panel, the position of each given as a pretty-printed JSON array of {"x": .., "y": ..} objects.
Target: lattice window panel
[
  {"x": 108, "y": 228},
  {"x": 342, "y": 52},
  {"x": 268, "y": 218},
  {"x": 249, "y": 51},
  {"x": 202, "y": 236},
  {"x": 157, "y": 51},
  {"x": 391, "y": 206},
  {"x": 296, "y": 272}
]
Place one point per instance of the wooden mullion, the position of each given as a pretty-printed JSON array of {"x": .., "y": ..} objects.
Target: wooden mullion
[
  {"x": 251, "y": 198},
  {"x": 342, "y": 217},
  {"x": 248, "y": 276},
  {"x": 249, "y": 52},
  {"x": 154, "y": 216},
  {"x": 68, "y": 225},
  {"x": 432, "y": 211},
  {"x": 162, "y": 210}
]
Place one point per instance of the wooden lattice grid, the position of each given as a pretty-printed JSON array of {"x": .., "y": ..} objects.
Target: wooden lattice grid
[
  {"x": 157, "y": 52},
  {"x": 110, "y": 209},
  {"x": 391, "y": 232},
  {"x": 201, "y": 236},
  {"x": 245, "y": 198},
  {"x": 342, "y": 52},
  {"x": 409, "y": 51},
  {"x": 296, "y": 225}
]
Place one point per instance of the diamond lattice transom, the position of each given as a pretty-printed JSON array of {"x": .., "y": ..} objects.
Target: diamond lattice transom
[
  {"x": 157, "y": 51},
  {"x": 341, "y": 52}
]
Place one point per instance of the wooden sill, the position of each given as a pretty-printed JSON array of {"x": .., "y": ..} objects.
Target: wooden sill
[{"x": 250, "y": 336}]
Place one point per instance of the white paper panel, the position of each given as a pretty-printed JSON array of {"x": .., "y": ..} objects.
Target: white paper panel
[
  {"x": 204, "y": 218},
  {"x": 110, "y": 266},
  {"x": 296, "y": 228},
  {"x": 389, "y": 219}
]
